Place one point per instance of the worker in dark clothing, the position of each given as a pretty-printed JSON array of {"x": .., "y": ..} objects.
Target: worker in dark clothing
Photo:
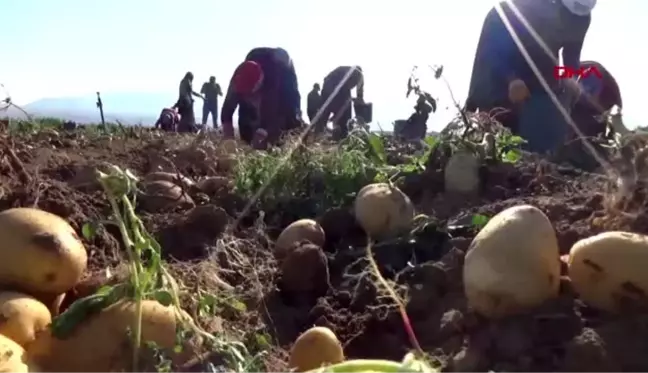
[
  {"x": 211, "y": 91},
  {"x": 336, "y": 97},
  {"x": 502, "y": 77},
  {"x": 264, "y": 88},
  {"x": 185, "y": 104},
  {"x": 314, "y": 102},
  {"x": 597, "y": 96},
  {"x": 168, "y": 120}
]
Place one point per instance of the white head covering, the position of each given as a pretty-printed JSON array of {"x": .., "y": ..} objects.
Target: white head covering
[{"x": 579, "y": 7}]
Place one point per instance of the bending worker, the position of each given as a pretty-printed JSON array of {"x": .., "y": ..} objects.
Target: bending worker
[
  {"x": 264, "y": 88},
  {"x": 502, "y": 77},
  {"x": 336, "y": 97}
]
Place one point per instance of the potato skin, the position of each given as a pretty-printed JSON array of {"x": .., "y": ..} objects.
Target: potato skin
[
  {"x": 315, "y": 347},
  {"x": 12, "y": 357},
  {"x": 300, "y": 230},
  {"x": 383, "y": 210},
  {"x": 513, "y": 264},
  {"x": 39, "y": 252},
  {"x": 606, "y": 268},
  {"x": 101, "y": 343},
  {"x": 22, "y": 317}
]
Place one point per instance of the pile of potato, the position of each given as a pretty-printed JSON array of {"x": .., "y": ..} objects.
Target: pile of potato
[
  {"x": 513, "y": 265},
  {"x": 43, "y": 259}
]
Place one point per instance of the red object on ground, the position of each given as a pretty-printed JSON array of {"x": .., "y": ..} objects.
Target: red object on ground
[{"x": 247, "y": 78}]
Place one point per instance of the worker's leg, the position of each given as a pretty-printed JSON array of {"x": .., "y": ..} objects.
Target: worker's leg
[
  {"x": 246, "y": 118},
  {"x": 214, "y": 114},
  {"x": 342, "y": 117},
  {"x": 320, "y": 121},
  {"x": 205, "y": 113}
]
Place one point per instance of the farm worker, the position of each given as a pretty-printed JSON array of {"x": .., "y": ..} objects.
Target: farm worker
[
  {"x": 168, "y": 119},
  {"x": 502, "y": 77},
  {"x": 211, "y": 90},
  {"x": 264, "y": 88},
  {"x": 314, "y": 102},
  {"x": 185, "y": 103},
  {"x": 336, "y": 97},
  {"x": 598, "y": 96}
]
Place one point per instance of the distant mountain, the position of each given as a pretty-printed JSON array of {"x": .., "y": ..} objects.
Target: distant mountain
[{"x": 128, "y": 108}]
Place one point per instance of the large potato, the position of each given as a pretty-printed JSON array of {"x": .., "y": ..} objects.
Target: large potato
[
  {"x": 162, "y": 195},
  {"x": 300, "y": 230},
  {"x": 608, "y": 270},
  {"x": 513, "y": 264},
  {"x": 171, "y": 177},
  {"x": 22, "y": 317},
  {"x": 12, "y": 357},
  {"x": 101, "y": 342},
  {"x": 39, "y": 251},
  {"x": 383, "y": 210},
  {"x": 314, "y": 348}
]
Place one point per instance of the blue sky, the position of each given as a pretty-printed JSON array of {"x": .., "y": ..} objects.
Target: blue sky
[{"x": 72, "y": 47}]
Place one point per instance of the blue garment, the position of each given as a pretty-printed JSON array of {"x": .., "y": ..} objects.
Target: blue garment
[{"x": 542, "y": 124}]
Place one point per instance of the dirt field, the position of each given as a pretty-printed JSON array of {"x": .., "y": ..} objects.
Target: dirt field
[{"x": 267, "y": 307}]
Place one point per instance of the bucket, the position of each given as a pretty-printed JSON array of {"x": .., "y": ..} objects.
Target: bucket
[{"x": 364, "y": 111}]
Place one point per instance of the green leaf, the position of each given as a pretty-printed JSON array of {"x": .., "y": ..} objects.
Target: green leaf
[
  {"x": 479, "y": 220},
  {"x": 164, "y": 297},
  {"x": 512, "y": 156},
  {"x": 89, "y": 231},
  {"x": 377, "y": 147}
]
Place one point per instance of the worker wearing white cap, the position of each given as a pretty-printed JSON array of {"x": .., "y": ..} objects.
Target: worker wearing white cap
[{"x": 502, "y": 77}]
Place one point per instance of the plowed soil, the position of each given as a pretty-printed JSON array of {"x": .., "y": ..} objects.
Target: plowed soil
[{"x": 53, "y": 172}]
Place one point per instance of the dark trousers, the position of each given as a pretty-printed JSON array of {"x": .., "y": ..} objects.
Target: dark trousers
[
  {"x": 187, "y": 116},
  {"x": 339, "y": 106},
  {"x": 210, "y": 108}
]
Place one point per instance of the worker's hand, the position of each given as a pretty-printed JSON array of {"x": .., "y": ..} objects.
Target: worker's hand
[
  {"x": 573, "y": 88},
  {"x": 259, "y": 141},
  {"x": 518, "y": 91}
]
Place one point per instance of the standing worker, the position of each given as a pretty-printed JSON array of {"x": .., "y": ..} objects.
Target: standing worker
[
  {"x": 185, "y": 104},
  {"x": 264, "y": 88},
  {"x": 502, "y": 77},
  {"x": 211, "y": 90},
  {"x": 314, "y": 103},
  {"x": 336, "y": 97}
]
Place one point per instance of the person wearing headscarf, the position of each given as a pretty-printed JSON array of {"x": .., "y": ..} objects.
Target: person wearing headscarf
[
  {"x": 314, "y": 102},
  {"x": 514, "y": 32},
  {"x": 185, "y": 103},
  {"x": 337, "y": 99},
  {"x": 264, "y": 88}
]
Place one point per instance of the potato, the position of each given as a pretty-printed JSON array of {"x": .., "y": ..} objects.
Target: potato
[
  {"x": 383, "y": 210},
  {"x": 101, "y": 343},
  {"x": 608, "y": 270},
  {"x": 164, "y": 195},
  {"x": 22, "y": 317},
  {"x": 42, "y": 252},
  {"x": 227, "y": 163},
  {"x": 513, "y": 264},
  {"x": 461, "y": 173},
  {"x": 300, "y": 230},
  {"x": 12, "y": 357},
  {"x": 315, "y": 347},
  {"x": 175, "y": 178}
]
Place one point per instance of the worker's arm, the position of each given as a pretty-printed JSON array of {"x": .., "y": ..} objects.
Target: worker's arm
[
  {"x": 572, "y": 48},
  {"x": 219, "y": 91},
  {"x": 360, "y": 87},
  {"x": 292, "y": 92},
  {"x": 230, "y": 104}
]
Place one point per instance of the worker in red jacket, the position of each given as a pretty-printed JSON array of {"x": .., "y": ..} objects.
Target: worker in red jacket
[
  {"x": 265, "y": 90},
  {"x": 598, "y": 95},
  {"x": 503, "y": 77}
]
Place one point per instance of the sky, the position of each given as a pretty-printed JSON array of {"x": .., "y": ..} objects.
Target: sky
[{"x": 75, "y": 47}]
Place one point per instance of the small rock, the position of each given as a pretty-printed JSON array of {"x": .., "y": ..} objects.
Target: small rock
[
  {"x": 467, "y": 360},
  {"x": 451, "y": 322},
  {"x": 587, "y": 353}
]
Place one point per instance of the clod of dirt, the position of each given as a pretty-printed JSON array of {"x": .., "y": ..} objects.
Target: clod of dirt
[
  {"x": 174, "y": 178},
  {"x": 227, "y": 163},
  {"x": 462, "y": 173},
  {"x": 588, "y": 353},
  {"x": 159, "y": 196},
  {"x": 305, "y": 271},
  {"x": 340, "y": 224},
  {"x": 468, "y": 360},
  {"x": 210, "y": 220},
  {"x": 301, "y": 230},
  {"x": 211, "y": 185},
  {"x": 158, "y": 162}
]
